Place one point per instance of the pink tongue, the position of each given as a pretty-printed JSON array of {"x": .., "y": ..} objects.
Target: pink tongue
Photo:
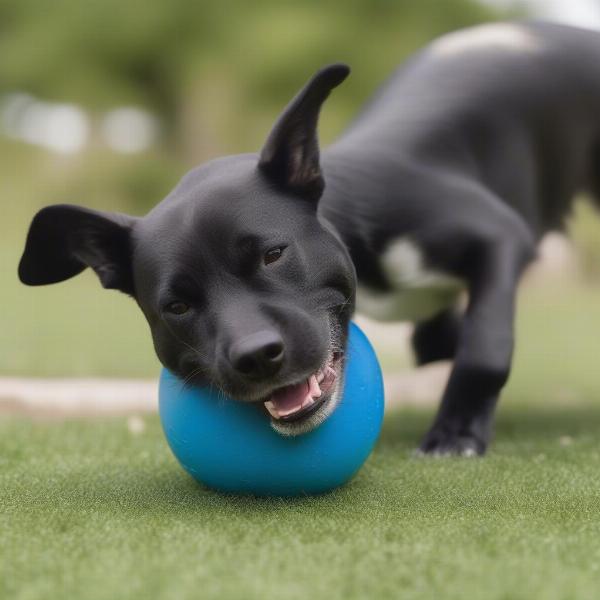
[
  {"x": 293, "y": 398},
  {"x": 290, "y": 399}
]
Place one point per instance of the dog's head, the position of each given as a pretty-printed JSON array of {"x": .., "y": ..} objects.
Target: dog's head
[{"x": 245, "y": 286}]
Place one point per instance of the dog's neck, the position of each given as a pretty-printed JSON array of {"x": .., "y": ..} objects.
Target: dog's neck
[
  {"x": 350, "y": 185},
  {"x": 363, "y": 180},
  {"x": 355, "y": 184}
]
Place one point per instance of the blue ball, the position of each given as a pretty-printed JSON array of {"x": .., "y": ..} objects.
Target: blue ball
[{"x": 231, "y": 447}]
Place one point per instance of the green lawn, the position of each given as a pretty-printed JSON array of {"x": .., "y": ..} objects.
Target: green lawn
[
  {"x": 75, "y": 328},
  {"x": 89, "y": 511}
]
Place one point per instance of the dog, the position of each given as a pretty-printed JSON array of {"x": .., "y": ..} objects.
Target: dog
[{"x": 250, "y": 270}]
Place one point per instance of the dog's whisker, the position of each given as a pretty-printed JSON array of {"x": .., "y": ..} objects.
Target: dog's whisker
[
  {"x": 196, "y": 351},
  {"x": 188, "y": 379}
]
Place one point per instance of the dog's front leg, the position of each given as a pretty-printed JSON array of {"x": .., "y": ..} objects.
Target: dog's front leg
[{"x": 483, "y": 358}]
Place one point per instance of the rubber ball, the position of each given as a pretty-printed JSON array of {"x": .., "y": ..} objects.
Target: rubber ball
[{"x": 231, "y": 447}]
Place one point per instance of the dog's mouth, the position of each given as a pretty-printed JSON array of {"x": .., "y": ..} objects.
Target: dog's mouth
[
  {"x": 292, "y": 402},
  {"x": 302, "y": 406}
]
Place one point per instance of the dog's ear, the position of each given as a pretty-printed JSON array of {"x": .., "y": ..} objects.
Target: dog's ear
[
  {"x": 63, "y": 240},
  {"x": 290, "y": 155}
]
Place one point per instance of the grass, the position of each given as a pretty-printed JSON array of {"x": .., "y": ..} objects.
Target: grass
[
  {"x": 90, "y": 511},
  {"x": 75, "y": 328}
]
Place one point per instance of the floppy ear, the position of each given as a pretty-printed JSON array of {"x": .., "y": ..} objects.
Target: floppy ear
[
  {"x": 63, "y": 240},
  {"x": 290, "y": 155}
]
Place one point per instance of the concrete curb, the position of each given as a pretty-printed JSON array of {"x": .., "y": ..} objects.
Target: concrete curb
[
  {"x": 81, "y": 398},
  {"x": 62, "y": 398}
]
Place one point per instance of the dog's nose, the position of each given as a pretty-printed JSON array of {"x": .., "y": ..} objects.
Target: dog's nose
[{"x": 258, "y": 355}]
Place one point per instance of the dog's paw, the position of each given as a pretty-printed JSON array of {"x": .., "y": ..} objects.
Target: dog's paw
[{"x": 445, "y": 443}]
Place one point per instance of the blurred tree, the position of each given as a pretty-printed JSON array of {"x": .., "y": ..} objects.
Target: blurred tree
[{"x": 216, "y": 72}]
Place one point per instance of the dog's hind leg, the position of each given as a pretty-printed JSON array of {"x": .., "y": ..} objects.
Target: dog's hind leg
[{"x": 437, "y": 338}]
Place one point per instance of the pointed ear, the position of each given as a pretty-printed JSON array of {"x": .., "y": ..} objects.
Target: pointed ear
[
  {"x": 290, "y": 155},
  {"x": 63, "y": 240}
]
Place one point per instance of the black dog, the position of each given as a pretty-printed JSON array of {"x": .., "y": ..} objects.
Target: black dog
[{"x": 446, "y": 181}]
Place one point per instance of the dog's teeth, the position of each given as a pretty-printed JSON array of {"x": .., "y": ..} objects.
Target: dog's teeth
[
  {"x": 272, "y": 410},
  {"x": 329, "y": 379},
  {"x": 308, "y": 402},
  {"x": 313, "y": 387}
]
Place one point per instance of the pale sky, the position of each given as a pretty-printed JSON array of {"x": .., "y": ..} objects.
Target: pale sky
[{"x": 585, "y": 13}]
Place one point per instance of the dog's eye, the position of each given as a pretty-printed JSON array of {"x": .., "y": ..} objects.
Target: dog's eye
[
  {"x": 177, "y": 308},
  {"x": 273, "y": 254}
]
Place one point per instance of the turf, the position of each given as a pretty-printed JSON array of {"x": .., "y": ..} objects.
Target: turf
[{"x": 91, "y": 511}]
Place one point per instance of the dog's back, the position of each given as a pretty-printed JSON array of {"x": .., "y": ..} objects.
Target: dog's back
[
  {"x": 471, "y": 151},
  {"x": 516, "y": 106}
]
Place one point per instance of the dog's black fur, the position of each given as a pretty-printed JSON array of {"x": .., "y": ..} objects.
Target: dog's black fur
[{"x": 449, "y": 177}]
